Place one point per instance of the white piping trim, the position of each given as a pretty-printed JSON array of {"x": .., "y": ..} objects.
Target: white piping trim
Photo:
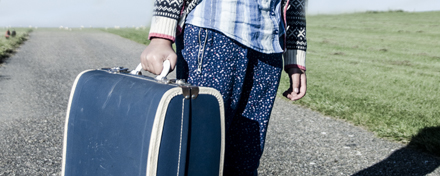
[
  {"x": 216, "y": 93},
  {"x": 156, "y": 134},
  {"x": 66, "y": 123},
  {"x": 156, "y": 131},
  {"x": 181, "y": 135}
]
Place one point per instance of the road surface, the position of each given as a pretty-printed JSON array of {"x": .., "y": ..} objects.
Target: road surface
[{"x": 35, "y": 84}]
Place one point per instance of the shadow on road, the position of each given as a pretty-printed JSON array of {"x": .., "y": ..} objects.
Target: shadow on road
[
  {"x": 410, "y": 160},
  {"x": 4, "y": 77}
]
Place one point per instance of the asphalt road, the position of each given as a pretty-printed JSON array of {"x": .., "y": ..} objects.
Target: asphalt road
[{"x": 35, "y": 84}]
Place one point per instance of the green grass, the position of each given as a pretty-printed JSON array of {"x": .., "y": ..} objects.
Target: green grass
[
  {"x": 8, "y": 46},
  {"x": 138, "y": 35},
  {"x": 378, "y": 70}
]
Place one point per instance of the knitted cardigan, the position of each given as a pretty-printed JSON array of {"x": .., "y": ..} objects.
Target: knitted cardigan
[{"x": 169, "y": 18}]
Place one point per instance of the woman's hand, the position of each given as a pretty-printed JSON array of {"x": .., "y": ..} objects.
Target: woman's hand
[
  {"x": 156, "y": 53},
  {"x": 298, "y": 84}
]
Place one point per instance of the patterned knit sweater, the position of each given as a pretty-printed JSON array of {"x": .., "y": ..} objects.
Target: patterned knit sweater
[{"x": 169, "y": 18}]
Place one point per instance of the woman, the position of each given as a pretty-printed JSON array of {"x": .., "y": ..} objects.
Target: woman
[{"x": 235, "y": 46}]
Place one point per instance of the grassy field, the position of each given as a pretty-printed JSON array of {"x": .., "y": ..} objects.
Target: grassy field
[
  {"x": 138, "y": 35},
  {"x": 378, "y": 70},
  {"x": 7, "y": 46}
]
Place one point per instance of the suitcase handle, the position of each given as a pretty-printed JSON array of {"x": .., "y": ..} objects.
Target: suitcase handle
[{"x": 163, "y": 74}]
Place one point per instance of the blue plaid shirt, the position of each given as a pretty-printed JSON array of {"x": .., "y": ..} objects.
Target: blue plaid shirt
[{"x": 256, "y": 24}]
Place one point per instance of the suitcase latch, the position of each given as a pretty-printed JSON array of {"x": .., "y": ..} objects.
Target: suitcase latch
[
  {"x": 116, "y": 70},
  {"x": 120, "y": 69}
]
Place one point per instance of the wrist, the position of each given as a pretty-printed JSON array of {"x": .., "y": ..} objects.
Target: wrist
[
  {"x": 295, "y": 70},
  {"x": 161, "y": 41}
]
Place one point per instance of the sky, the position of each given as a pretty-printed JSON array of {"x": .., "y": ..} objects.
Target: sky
[{"x": 123, "y": 13}]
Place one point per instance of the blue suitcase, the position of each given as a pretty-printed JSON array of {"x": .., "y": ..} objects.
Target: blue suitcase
[{"x": 119, "y": 123}]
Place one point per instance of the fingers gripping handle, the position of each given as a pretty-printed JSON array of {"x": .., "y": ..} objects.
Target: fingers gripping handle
[
  {"x": 166, "y": 69},
  {"x": 163, "y": 74}
]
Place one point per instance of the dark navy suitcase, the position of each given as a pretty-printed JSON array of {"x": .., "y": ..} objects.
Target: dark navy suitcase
[{"x": 124, "y": 124}]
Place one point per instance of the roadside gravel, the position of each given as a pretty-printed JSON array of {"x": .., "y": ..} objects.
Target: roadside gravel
[{"x": 34, "y": 89}]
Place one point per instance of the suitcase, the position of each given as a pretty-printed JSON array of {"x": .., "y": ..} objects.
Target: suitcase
[{"x": 118, "y": 123}]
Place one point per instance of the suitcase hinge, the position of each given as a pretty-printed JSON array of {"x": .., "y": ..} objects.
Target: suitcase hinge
[
  {"x": 186, "y": 91},
  {"x": 194, "y": 92},
  {"x": 190, "y": 92}
]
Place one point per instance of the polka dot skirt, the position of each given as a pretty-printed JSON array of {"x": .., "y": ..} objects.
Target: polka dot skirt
[{"x": 248, "y": 81}]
